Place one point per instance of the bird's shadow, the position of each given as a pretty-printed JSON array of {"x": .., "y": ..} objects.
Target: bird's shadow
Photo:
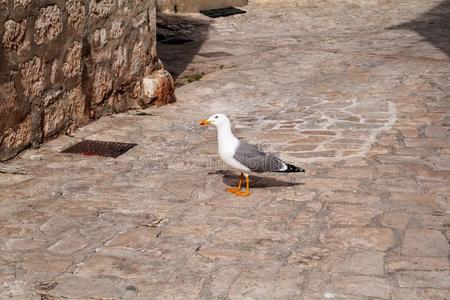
[{"x": 232, "y": 179}]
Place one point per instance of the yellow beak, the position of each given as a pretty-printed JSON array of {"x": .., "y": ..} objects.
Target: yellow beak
[{"x": 204, "y": 122}]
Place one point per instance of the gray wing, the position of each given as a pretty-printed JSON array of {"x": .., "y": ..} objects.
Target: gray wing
[{"x": 257, "y": 160}]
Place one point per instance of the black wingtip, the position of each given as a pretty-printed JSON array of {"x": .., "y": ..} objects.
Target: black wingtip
[{"x": 293, "y": 169}]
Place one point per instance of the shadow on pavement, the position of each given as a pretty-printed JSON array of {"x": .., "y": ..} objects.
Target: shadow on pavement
[
  {"x": 232, "y": 180},
  {"x": 433, "y": 25},
  {"x": 179, "y": 39}
]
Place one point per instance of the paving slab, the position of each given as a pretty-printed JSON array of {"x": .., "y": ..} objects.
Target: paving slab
[{"x": 356, "y": 92}]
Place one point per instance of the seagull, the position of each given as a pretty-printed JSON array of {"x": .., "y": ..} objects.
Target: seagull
[{"x": 243, "y": 156}]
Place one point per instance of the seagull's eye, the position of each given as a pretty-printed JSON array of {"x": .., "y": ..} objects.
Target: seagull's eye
[{"x": 216, "y": 117}]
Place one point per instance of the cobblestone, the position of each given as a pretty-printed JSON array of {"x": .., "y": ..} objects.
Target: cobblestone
[
  {"x": 339, "y": 88},
  {"x": 424, "y": 242}
]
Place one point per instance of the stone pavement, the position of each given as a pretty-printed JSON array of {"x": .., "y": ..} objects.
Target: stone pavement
[{"x": 361, "y": 103}]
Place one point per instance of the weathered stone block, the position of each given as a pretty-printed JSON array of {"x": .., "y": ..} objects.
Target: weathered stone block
[
  {"x": 8, "y": 98},
  {"x": 56, "y": 117},
  {"x": 116, "y": 30},
  {"x": 24, "y": 244},
  {"x": 100, "y": 38},
  {"x": 395, "y": 220},
  {"x": 100, "y": 9},
  {"x": 365, "y": 262},
  {"x": 32, "y": 77},
  {"x": 134, "y": 239},
  {"x": 79, "y": 110},
  {"x": 14, "y": 34},
  {"x": 405, "y": 263},
  {"x": 420, "y": 294},
  {"x": 45, "y": 263},
  {"x": 366, "y": 238},
  {"x": 72, "y": 65},
  {"x": 424, "y": 242},
  {"x": 137, "y": 57},
  {"x": 69, "y": 286},
  {"x": 68, "y": 246},
  {"x": 346, "y": 215},
  {"x": 158, "y": 88},
  {"x": 56, "y": 225},
  {"x": 16, "y": 139},
  {"x": 102, "y": 84},
  {"x": 426, "y": 279},
  {"x": 48, "y": 25},
  {"x": 21, "y": 3},
  {"x": 365, "y": 286},
  {"x": 308, "y": 258},
  {"x": 120, "y": 62},
  {"x": 4, "y": 6},
  {"x": 76, "y": 14}
]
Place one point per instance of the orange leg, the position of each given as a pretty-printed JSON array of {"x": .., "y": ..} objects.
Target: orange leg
[
  {"x": 247, "y": 190},
  {"x": 238, "y": 188}
]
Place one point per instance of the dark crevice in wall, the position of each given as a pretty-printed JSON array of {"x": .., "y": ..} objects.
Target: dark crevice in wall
[{"x": 86, "y": 69}]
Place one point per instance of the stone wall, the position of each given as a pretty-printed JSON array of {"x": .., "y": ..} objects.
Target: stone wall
[{"x": 64, "y": 63}]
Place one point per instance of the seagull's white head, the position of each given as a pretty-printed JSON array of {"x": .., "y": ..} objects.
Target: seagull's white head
[{"x": 217, "y": 120}]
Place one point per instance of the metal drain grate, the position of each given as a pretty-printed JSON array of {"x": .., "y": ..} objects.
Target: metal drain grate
[
  {"x": 99, "y": 148},
  {"x": 215, "y": 54},
  {"x": 222, "y": 12}
]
